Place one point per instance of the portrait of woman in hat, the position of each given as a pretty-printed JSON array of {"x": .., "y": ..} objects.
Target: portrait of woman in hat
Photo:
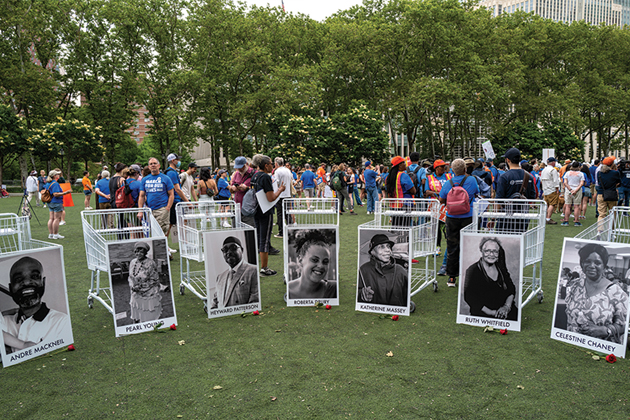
[
  {"x": 382, "y": 280},
  {"x": 144, "y": 282}
]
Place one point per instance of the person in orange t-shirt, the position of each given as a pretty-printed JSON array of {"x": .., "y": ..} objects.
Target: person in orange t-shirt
[
  {"x": 87, "y": 189},
  {"x": 321, "y": 180}
]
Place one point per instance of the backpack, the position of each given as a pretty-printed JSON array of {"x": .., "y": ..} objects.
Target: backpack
[
  {"x": 250, "y": 201},
  {"x": 46, "y": 195},
  {"x": 414, "y": 178},
  {"x": 484, "y": 189},
  {"x": 124, "y": 200},
  {"x": 457, "y": 200},
  {"x": 336, "y": 182},
  {"x": 521, "y": 193}
]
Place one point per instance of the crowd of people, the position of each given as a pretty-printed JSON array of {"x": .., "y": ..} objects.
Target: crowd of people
[{"x": 567, "y": 189}]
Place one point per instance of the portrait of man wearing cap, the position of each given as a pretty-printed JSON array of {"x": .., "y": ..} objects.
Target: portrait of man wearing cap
[
  {"x": 238, "y": 284},
  {"x": 382, "y": 280},
  {"x": 32, "y": 321}
]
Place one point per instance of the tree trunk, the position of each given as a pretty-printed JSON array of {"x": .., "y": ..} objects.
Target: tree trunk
[{"x": 23, "y": 169}]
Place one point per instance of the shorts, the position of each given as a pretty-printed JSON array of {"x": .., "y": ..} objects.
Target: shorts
[
  {"x": 55, "y": 207},
  {"x": 87, "y": 192},
  {"x": 573, "y": 199},
  {"x": 309, "y": 192},
  {"x": 592, "y": 188},
  {"x": 321, "y": 187},
  {"x": 587, "y": 193},
  {"x": 552, "y": 199},
  {"x": 162, "y": 217}
]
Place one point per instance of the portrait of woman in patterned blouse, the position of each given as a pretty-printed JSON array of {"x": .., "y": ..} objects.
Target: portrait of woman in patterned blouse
[
  {"x": 596, "y": 306},
  {"x": 144, "y": 282}
]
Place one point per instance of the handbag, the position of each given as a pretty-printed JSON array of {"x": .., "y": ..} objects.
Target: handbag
[{"x": 610, "y": 195}]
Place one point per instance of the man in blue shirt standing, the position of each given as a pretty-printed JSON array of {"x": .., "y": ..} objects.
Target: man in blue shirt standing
[
  {"x": 156, "y": 190},
  {"x": 456, "y": 222},
  {"x": 370, "y": 176},
  {"x": 308, "y": 182}
]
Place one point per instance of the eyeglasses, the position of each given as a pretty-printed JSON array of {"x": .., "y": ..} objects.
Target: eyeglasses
[
  {"x": 229, "y": 248},
  {"x": 491, "y": 251}
]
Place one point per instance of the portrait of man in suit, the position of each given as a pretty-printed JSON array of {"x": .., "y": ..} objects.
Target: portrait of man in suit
[{"x": 237, "y": 285}]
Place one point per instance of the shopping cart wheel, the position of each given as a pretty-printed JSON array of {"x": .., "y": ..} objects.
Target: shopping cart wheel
[
  {"x": 205, "y": 307},
  {"x": 412, "y": 307},
  {"x": 90, "y": 302},
  {"x": 540, "y": 297},
  {"x": 435, "y": 286},
  {"x": 284, "y": 279},
  {"x": 182, "y": 289},
  {"x": 285, "y": 297}
]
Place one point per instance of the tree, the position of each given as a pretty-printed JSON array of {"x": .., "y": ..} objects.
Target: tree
[{"x": 13, "y": 136}]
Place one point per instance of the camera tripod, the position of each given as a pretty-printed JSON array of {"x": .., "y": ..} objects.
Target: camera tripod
[{"x": 26, "y": 209}]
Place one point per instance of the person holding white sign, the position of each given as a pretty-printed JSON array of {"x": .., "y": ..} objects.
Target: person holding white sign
[{"x": 261, "y": 181}]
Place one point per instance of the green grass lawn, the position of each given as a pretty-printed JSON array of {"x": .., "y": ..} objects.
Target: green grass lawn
[{"x": 309, "y": 363}]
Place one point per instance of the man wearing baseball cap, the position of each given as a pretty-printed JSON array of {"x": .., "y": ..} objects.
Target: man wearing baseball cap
[
  {"x": 509, "y": 187},
  {"x": 241, "y": 182},
  {"x": 551, "y": 188},
  {"x": 174, "y": 162}
]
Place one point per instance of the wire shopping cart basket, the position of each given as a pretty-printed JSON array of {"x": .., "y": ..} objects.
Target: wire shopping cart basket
[{"x": 101, "y": 227}]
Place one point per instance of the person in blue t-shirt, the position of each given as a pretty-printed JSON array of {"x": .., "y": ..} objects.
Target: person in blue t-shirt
[
  {"x": 308, "y": 181},
  {"x": 370, "y": 177},
  {"x": 174, "y": 163},
  {"x": 455, "y": 223},
  {"x": 134, "y": 184},
  {"x": 55, "y": 207},
  {"x": 156, "y": 190},
  {"x": 102, "y": 191}
]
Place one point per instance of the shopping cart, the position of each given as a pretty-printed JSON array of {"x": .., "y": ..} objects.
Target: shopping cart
[
  {"x": 516, "y": 218},
  {"x": 309, "y": 213},
  {"x": 193, "y": 219},
  {"x": 615, "y": 227},
  {"x": 419, "y": 217},
  {"x": 101, "y": 227}
]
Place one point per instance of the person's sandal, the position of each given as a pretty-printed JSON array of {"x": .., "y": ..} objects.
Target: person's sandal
[{"x": 451, "y": 282}]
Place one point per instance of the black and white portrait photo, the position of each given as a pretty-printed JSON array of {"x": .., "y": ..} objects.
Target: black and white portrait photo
[
  {"x": 232, "y": 278},
  {"x": 34, "y": 304},
  {"x": 490, "y": 281},
  {"x": 140, "y": 278},
  {"x": 591, "y": 308},
  {"x": 311, "y": 266},
  {"x": 384, "y": 271}
]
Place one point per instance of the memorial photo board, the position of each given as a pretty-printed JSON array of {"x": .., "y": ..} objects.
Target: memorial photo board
[
  {"x": 232, "y": 275},
  {"x": 311, "y": 266},
  {"x": 34, "y": 304},
  {"x": 384, "y": 270},
  {"x": 141, "y": 285},
  {"x": 591, "y": 306},
  {"x": 490, "y": 280}
]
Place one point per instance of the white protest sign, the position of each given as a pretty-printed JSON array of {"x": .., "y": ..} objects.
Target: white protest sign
[{"x": 488, "y": 150}]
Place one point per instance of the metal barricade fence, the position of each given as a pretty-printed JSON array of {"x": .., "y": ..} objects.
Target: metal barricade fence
[
  {"x": 103, "y": 226},
  {"x": 516, "y": 217}
]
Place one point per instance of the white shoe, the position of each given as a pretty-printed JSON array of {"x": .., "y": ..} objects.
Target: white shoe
[
  {"x": 51, "y": 236},
  {"x": 226, "y": 224},
  {"x": 58, "y": 236},
  {"x": 63, "y": 222},
  {"x": 44, "y": 205},
  {"x": 172, "y": 251}
]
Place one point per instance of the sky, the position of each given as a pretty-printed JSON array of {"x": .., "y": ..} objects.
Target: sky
[{"x": 316, "y": 9}]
